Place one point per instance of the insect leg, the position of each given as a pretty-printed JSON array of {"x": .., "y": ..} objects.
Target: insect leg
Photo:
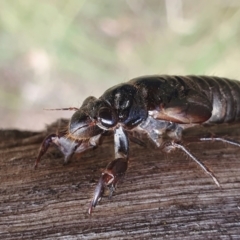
[
  {"x": 115, "y": 170},
  {"x": 66, "y": 145},
  {"x": 221, "y": 140},
  {"x": 205, "y": 168},
  {"x": 44, "y": 147},
  {"x": 136, "y": 140}
]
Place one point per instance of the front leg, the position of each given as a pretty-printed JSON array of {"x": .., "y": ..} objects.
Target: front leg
[
  {"x": 66, "y": 145},
  {"x": 115, "y": 170}
]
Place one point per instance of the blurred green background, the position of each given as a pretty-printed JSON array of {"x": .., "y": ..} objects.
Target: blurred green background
[{"x": 55, "y": 53}]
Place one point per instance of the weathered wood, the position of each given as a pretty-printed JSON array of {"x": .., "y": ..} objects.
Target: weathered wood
[{"x": 163, "y": 196}]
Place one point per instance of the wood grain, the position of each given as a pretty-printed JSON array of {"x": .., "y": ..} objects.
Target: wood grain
[{"x": 163, "y": 196}]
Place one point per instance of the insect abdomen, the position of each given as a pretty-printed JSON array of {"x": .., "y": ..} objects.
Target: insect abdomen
[
  {"x": 221, "y": 95},
  {"x": 224, "y": 95}
]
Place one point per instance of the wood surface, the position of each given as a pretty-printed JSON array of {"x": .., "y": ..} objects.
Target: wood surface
[{"x": 163, "y": 196}]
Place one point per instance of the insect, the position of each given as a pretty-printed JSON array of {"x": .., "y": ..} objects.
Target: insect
[{"x": 159, "y": 106}]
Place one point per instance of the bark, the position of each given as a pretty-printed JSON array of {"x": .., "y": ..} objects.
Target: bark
[{"x": 163, "y": 196}]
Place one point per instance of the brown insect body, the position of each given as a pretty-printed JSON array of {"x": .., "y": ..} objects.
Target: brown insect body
[{"x": 157, "y": 105}]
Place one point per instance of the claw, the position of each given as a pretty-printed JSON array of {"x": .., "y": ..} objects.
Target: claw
[
  {"x": 106, "y": 180},
  {"x": 97, "y": 195},
  {"x": 110, "y": 177},
  {"x": 44, "y": 147},
  {"x": 66, "y": 145}
]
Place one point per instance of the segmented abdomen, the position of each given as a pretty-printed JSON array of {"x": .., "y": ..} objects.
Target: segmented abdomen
[{"x": 223, "y": 93}]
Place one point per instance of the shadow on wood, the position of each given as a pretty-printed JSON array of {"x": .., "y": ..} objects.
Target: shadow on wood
[{"x": 162, "y": 195}]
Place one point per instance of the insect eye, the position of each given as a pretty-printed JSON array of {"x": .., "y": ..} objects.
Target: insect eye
[{"x": 107, "y": 117}]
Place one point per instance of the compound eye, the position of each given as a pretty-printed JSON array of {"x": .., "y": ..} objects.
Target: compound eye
[{"x": 107, "y": 117}]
